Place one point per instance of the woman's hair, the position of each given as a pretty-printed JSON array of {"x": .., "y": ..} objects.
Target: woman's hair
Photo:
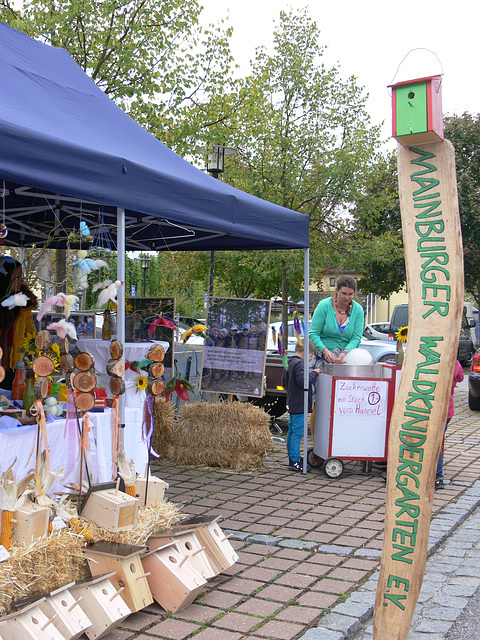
[
  {"x": 8, "y": 265},
  {"x": 347, "y": 281}
]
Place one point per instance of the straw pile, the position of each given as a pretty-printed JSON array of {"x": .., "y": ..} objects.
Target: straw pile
[
  {"x": 46, "y": 564},
  {"x": 151, "y": 519},
  {"x": 163, "y": 426},
  {"x": 234, "y": 435}
]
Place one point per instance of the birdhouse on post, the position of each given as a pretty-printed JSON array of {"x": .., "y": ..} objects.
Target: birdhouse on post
[{"x": 417, "y": 111}]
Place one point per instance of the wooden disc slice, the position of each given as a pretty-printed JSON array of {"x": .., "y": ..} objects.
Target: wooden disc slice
[
  {"x": 156, "y": 370},
  {"x": 156, "y": 353},
  {"x": 43, "y": 366},
  {"x": 84, "y": 381},
  {"x": 115, "y": 368},
  {"x": 66, "y": 362},
  {"x": 117, "y": 386},
  {"x": 85, "y": 401},
  {"x": 116, "y": 349},
  {"x": 84, "y": 361},
  {"x": 155, "y": 387},
  {"x": 2, "y": 374},
  {"x": 42, "y": 341},
  {"x": 1, "y": 353},
  {"x": 63, "y": 345},
  {"x": 69, "y": 381},
  {"x": 40, "y": 388}
]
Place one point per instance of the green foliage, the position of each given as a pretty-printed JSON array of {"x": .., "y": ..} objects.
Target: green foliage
[
  {"x": 151, "y": 57},
  {"x": 464, "y": 133},
  {"x": 375, "y": 246}
]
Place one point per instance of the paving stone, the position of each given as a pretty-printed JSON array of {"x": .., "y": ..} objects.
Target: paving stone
[
  {"x": 322, "y": 634},
  {"x": 345, "y": 624},
  {"x": 173, "y": 629},
  {"x": 442, "y": 613},
  {"x": 335, "y": 549},
  {"x": 236, "y": 622},
  {"x": 279, "y": 630},
  {"x": 297, "y": 544},
  {"x": 354, "y": 609},
  {"x": 294, "y": 613},
  {"x": 264, "y": 539}
]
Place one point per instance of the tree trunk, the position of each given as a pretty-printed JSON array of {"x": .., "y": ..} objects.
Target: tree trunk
[{"x": 285, "y": 305}]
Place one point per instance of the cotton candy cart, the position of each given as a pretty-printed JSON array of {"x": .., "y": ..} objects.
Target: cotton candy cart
[{"x": 352, "y": 416}]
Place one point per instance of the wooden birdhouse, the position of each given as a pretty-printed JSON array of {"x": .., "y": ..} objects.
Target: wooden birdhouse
[
  {"x": 30, "y": 522},
  {"x": 104, "y": 603},
  {"x": 173, "y": 581},
  {"x": 124, "y": 560},
  {"x": 110, "y": 508},
  {"x": 30, "y": 623},
  {"x": 155, "y": 489},
  {"x": 71, "y": 620},
  {"x": 187, "y": 544},
  {"x": 417, "y": 111},
  {"x": 220, "y": 552}
]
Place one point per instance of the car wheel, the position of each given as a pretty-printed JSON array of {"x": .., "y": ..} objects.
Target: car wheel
[
  {"x": 468, "y": 361},
  {"x": 388, "y": 357},
  {"x": 473, "y": 403}
]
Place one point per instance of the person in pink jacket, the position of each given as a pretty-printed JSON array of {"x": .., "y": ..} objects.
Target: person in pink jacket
[{"x": 457, "y": 377}]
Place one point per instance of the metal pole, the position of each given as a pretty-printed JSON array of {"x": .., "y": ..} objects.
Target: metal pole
[
  {"x": 121, "y": 307},
  {"x": 306, "y": 312},
  {"x": 144, "y": 280}
]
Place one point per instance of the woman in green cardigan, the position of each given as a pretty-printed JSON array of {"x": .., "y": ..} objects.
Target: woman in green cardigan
[{"x": 337, "y": 323}]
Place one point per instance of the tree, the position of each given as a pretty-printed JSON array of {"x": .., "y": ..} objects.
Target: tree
[
  {"x": 464, "y": 133},
  {"x": 374, "y": 247},
  {"x": 305, "y": 141},
  {"x": 151, "y": 57}
]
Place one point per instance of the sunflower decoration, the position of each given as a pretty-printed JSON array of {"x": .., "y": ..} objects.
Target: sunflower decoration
[
  {"x": 128, "y": 307},
  {"x": 401, "y": 336},
  {"x": 142, "y": 382},
  {"x": 30, "y": 351}
]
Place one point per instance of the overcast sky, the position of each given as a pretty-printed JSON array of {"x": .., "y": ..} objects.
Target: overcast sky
[{"x": 370, "y": 39}]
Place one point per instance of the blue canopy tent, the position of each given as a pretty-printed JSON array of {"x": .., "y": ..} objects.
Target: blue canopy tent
[
  {"x": 67, "y": 149},
  {"x": 69, "y": 154}
]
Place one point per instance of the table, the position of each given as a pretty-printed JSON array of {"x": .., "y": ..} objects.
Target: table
[
  {"x": 19, "y": 443},
  {"x": 100, "y": 350}
]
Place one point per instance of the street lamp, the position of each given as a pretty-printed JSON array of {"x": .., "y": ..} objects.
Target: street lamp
[
  {"x": 216, "y": 154},
  {"x": 145, "y": 261}
]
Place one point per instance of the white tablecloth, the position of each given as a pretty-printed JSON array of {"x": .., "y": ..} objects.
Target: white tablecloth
[
  {"x": 19, "y": 443},
  {"x": 100, "y": 350}
]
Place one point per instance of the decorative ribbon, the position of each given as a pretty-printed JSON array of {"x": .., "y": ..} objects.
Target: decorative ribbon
[
  {"x": 85, "y": 439},
  {"x": 148, "y": 423},
  {"x": 115, "y": 419},
  {"x": 39, "y": 413},
  {"x": 71, "y": 435}
]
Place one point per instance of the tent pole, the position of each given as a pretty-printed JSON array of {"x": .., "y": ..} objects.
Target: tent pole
[
  {"x": 121, "y": 307},
  {"x": 306, "y": 312}
]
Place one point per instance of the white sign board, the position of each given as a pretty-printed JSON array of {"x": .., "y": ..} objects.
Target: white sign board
[{"x": 360, "y": 418}]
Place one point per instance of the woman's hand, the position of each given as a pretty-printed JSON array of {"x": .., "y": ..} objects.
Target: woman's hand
[
  {"x": 329, "y": 356},
  {"x": 341, "y": 357}
]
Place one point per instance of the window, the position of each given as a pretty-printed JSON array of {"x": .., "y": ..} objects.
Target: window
[{"x": 332, "y": 282}]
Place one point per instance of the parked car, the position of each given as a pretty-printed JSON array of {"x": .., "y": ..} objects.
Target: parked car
[
  {"x": 474, "y": 383},
  {"x": 465, "y": 344},
  {"x": 380, "y": 350},
  {"x": 378, "y": 330}
]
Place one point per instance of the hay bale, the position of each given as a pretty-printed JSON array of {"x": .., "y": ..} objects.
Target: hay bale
[
  {"x": 235, "y": 435},
  {"x": 163, "y": 425},
  {"x": 46, "y": 564}
]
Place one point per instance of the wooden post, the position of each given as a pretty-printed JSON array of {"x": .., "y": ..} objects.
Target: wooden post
[{"x": 434, "y": 261}]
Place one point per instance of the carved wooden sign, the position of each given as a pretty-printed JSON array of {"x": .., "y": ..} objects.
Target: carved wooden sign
[{"x": 434, "y": 261}]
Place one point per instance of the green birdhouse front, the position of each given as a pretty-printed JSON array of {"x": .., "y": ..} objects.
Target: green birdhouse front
[{"x": 417, "y": 111}]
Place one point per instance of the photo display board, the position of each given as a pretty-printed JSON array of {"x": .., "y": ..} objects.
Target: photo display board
[
  {"x": 143, "y": 324},
  {"x": 234, "y": 353}
]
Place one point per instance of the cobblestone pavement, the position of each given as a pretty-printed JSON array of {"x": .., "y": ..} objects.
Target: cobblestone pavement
[{"x": 309, "y": 549}]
